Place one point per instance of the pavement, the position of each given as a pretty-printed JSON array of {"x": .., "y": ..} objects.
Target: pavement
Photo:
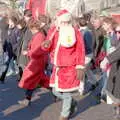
[{"x": 43, "y": 106}]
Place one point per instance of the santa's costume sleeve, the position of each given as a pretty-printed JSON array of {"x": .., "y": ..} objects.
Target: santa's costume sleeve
[{"x": 50, "y": 36}]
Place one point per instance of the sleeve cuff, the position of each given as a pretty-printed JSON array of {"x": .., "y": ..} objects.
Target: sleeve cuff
[{"x": 80, "y": 67}]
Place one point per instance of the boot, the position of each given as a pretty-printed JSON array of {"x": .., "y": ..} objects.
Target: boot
[
  {"x": 63, "y": 118},
  {"x": 117, "y": 112}
]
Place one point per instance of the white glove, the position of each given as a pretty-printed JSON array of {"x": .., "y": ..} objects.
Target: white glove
[{"x": 104, "y": 63}]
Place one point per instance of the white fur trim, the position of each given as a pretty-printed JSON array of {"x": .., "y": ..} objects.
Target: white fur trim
[
  {"x": 67, "y": 36},
  {"x": 80, "y": 67},
  {"x": 64, "y": 90},
  {"x": 56, "y": 52},
  {"x": 65, "y": 17}
]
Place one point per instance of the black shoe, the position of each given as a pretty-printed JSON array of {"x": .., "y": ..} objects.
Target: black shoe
[
  {"x": 93, "y": 87},
  {"x": 2, "y": 82}
]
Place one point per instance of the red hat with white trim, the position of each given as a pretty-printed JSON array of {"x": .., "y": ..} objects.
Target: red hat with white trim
[{"x": 64, "y": 15}]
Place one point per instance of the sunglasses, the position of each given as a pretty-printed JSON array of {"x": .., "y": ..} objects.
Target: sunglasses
[{"x": 117, "y": 32}]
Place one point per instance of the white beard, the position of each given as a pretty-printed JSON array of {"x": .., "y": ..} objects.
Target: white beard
[{"x": 67, "y": 36}]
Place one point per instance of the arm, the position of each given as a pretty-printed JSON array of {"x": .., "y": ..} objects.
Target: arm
[
  {"x": 88, "y": 42},
  {"x": 80, "y": 56},
  {"x": 114, "y": 56},
  {"x": 47, "y": 44},
  {"x": 80, "y": 51}
]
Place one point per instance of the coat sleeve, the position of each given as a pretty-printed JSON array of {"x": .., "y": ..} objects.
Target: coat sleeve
[
  {"x": 114, "y": 56},
  {"x": 35, "y": 46},
  {"x": 88, "y": 42},
  {"x": 80, "y": 51},
  {"x": 50, "y": 36}
]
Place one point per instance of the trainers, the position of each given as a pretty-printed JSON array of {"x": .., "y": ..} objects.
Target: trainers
[
  {"x": 24, "y": 102},
  {"x": 9, "y": 73}
]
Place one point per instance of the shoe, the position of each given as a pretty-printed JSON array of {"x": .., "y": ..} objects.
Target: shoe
[
  {"x": 10, "y": 73},
  {"x": 63, "y": 118},
  {"x": 117, "y": 112},
  {"x": 24, "y": 102},
  {"x": 73, "y": 108},
  {"x": 2, "y": 82}
]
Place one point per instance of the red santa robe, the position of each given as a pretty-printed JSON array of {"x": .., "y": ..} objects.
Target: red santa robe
[
  {"x": 66, "y": 60},
  {"x": 37, "y": 7},
  {"x": 33, "y": 73}
]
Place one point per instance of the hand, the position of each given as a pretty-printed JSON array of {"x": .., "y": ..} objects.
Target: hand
[
  {"x": 82, "y": 87},
  {"x": 24, "y": 52},
  {"x": 104, "y": 63},
  {"x": 46, "y": 44},
  {"x": 80, "y": 74}
]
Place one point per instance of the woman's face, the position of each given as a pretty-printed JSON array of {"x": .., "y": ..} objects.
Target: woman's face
[
  {"x": 19, "y": 26},
  {"x": 96, "y": 23},
  {"x": 11, "y": 23},
  {"x": 106, "y": 26}
]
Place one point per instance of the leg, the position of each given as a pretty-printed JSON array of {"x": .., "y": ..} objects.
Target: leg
[
  {"x": 2, "y": 77},
  {"x": 117, "y": 112},
  {"x": 28, "y": 94},
  {"x": 20, "y": 73},
  {"x": 68, "y": 106},
  {"x": 27, "y": 100}
]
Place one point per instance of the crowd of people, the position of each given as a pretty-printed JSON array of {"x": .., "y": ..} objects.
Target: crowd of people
[{"x": 62, "y": 54}]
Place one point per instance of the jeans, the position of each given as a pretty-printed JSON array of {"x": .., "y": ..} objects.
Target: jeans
[
  {"x": 67, "y": 101},
  {"x": 28, "y": 94},
  {"x": 105, "y": 77}
]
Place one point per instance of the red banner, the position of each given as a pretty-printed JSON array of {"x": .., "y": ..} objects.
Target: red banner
[{"x": 116, "y": 17}]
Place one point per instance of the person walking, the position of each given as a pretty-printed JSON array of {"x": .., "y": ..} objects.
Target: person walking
[{"x": 66, "y": 47}]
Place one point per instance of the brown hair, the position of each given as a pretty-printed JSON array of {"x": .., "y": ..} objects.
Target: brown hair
[
  {"x": 44, "y": 19},
  {"x": 22, "y": 23},
  {"x": 14, "y": 19},
  {"x": 34, "y": 24},
  {"x": 82, "y": 22},
  {"x": 28, "y": 13},
  {"x": 110, "y": 20}
]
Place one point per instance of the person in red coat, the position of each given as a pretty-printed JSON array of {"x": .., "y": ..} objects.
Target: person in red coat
[
  {"x": 38, "y": 7},
  {"x": 66, "y": 47},
  {"x": 34, "y": 72}
]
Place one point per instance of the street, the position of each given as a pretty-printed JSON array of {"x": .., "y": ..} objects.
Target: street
[{"x": 43, "y": 106}]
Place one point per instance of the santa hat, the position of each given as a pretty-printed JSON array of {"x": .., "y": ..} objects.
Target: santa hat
[{"x": 64, "y": 15}]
